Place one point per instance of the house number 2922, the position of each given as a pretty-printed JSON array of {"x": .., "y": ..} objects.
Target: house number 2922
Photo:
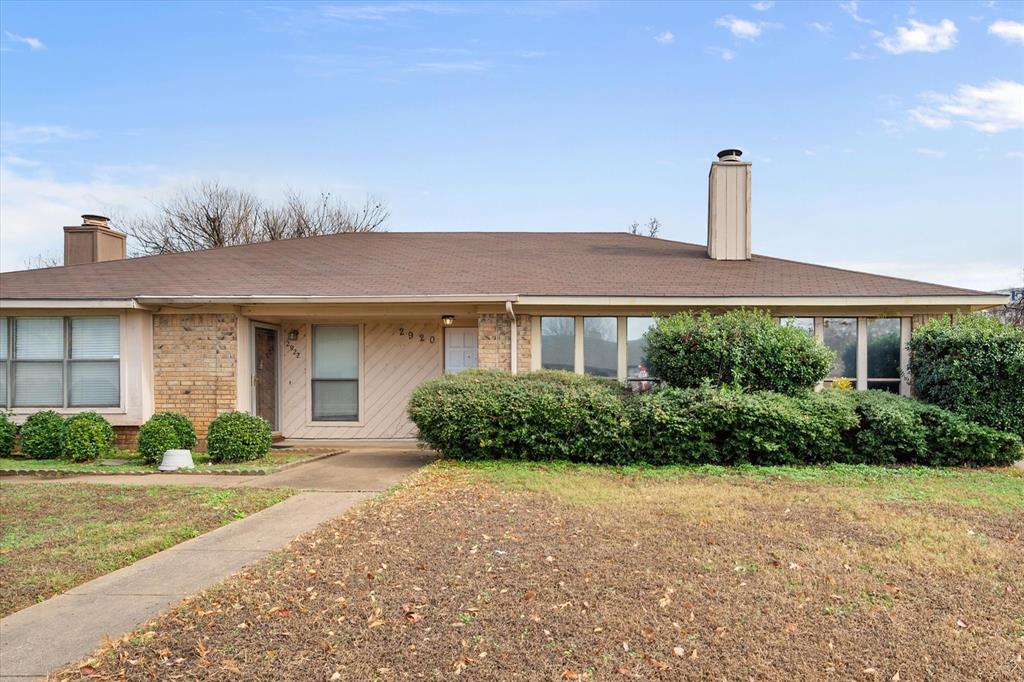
[{"x": 402, "y": 331}]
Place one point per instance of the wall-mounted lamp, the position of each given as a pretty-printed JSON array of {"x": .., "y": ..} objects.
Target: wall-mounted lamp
[
  {"x": 447, "y": 320},
  {"x": 293, "y": 335}
]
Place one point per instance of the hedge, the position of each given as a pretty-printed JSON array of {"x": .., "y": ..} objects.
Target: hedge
[
  {"x": 42, "y": 435},
  {"x": 165, "y": 431},
  {"x": 973, "y": 366},
  {"x": 238, "y": 437},
  {"x": 744, "y": 349},
  {"x": 87, "y": 436},
  {"x": 8, "y": 434},
  {"x": 557, "y": 415}
]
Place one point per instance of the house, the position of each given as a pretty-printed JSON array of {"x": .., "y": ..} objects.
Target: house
[{"x": 327, "y": 336}]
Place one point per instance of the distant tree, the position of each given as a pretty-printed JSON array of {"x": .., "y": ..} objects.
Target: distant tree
[
  {"x": 210, "y": 215},
  {"x": 651, "y": 228},
  {"x": 44, "y": 260}
]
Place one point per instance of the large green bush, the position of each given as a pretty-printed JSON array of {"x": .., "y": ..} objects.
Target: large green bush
[
  {"x": 744, "y": 349},
  {"x": 238, "y": 437},
  {"x": 42, "y": 435},
  {"x": 8, "y": 432},
  {"x": 87, "y": 436},
  {"x": 557, "y": 415},
  {"x": 973, "y": 366},
  {"x": 165, "y": 431},
  {"x": 541, "y": 415}
]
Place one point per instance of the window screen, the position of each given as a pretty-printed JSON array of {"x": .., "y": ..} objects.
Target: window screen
[{"x": 335, "y": 386}]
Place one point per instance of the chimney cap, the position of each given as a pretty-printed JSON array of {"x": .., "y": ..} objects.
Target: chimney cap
[
  {"x": 94, "y": 219},
  {"x": 730, "y": 155}
]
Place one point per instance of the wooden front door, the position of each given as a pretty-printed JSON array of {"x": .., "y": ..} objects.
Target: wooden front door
[{"x": 265, "y": 374}]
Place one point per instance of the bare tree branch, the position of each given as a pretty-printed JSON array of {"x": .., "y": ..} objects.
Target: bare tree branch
[
  {"x": 651, "y": 228},
  {"x": 44, "y": 260}
]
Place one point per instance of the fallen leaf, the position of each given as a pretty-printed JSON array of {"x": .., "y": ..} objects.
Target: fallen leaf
[
  {"x": 961, "y": 624},
  {"x": 530, "y": 595},
  {"x": 791, "y": 628},
  {"x": 679, "y": 651}
]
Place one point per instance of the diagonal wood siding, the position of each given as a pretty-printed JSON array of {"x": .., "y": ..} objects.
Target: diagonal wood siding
[{"x": 392, "y": 366}]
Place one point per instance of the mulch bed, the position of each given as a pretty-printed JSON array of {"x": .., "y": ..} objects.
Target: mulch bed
[{"x": 451, "y": 577}]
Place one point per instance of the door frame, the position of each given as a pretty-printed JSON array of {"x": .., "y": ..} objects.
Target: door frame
[{"x": 253, "y": 325}]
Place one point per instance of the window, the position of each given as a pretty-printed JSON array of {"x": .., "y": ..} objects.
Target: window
[
  {"x": 558, "y": 343},
  {"x": 601, "y": 346},
  {"x": 884, "y": 354},
  {"x": 60, "y": 362},
  {"x": 335, "y": 373},
  {"x": 840, "y": 334},
  {"x": 804, "y": 324},
  {"x": 637, "y": 371}
]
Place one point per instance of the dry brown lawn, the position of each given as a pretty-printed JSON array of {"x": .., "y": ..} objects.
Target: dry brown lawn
[{"x": 516, "y": 572}]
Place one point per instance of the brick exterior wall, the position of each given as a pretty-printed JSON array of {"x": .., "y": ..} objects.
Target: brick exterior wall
[
  {"x": 126, "y": 437},
  {"x": 194, "y": 365},
  {"x": 494, "y": 341}
]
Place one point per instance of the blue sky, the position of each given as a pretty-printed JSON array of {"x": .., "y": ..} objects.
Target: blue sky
[{"x": 885, "y": 136}]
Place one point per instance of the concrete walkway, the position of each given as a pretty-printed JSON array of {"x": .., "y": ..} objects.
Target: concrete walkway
[{"x": 47, "y": 636}]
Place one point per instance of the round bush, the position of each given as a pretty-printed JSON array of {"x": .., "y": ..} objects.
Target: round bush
[
  {"x": 238, "y": 437},
  {"x": 42, "y": 435},
  {"x": 743, "y": 349},
  {"x": 974, "y": 367},
  {"x": 87, "y": 436},
  {"x": 155, "y": 438},
  {"x": 8, "y": 432},
  {"x": 165, "y": 431}
]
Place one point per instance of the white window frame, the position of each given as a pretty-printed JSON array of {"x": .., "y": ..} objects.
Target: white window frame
[
  {"x": 66, "y": 362},
  {"x": 361, "y": 389}
]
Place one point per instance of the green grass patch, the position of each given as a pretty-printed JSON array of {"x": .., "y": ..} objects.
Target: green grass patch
[
  {"x": 54, "y": 536},
  {"x": 136, "y": 465}
]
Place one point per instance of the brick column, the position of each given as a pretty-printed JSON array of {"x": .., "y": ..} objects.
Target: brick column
[
  {"x": 494, "y": 341},
  {"x": 524, "y": 334},
  {"x": 194, "y": 365}
]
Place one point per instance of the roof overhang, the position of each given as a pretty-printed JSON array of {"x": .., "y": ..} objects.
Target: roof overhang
[
  {"x": 983, "y": 301},
  {"x": 257, "y": 298},
  {"x": 69, "y": 303}
]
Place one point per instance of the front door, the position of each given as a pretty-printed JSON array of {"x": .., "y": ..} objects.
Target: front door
[
  {"x": 265, "y": 373},
  {"x": 459, "y": 349}
]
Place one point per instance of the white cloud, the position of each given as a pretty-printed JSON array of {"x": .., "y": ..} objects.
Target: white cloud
[
  {"x": 1010, "y": 31},
  {"x": 995, "y": 107},
  {"x": 664, "y": 38},
  {"x": 855, "y": 56},
  {"x": 725, "y": 53},
  {"x": 1014, "y": 155},
  {"x": 35, "y": 134},
  {"x": 33, "y": 43},
  {"x": 920, "y": 37},
  {"x": 741, "y": 28},
  {"x": 450, "y": 67},
  {"x": 980, "y": 275},
  {"x": 851, "y": 9},
  {"x": 762, "y": 6},
  {"x": 930, "y": 118},
  {"x": 821, "y": 26},
  {"x": 384, "y": 11},
  {"x": 934, "y": 153}
]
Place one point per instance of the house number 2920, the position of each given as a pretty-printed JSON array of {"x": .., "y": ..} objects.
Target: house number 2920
[{"x": 402, "y": 331}]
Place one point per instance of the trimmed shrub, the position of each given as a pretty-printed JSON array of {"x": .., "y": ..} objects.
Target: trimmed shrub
[
  {"x": 890, "y": 430},
  {"x": 974, "y": 367},
  {"x": 42, "y": 435},
  {"x": 238, "y": 437},
  {"x": 87, "y": 436},
  {"x": 155, "y": 438},
  {"x": 744, "y": 349},
  {"x": 8, "y": 433},
  {"x": 165, "y": 431},
  {"x": 539, "y": 416}
]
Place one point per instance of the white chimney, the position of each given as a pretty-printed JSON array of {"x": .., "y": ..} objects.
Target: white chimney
[{"x": 729, "y": 207}]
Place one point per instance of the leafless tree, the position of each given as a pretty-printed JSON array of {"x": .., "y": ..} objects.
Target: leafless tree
[
  {"x": 651, "y": 228},
  {"x": 44, "y": 260},
  {"x": 210, "y": 215}
]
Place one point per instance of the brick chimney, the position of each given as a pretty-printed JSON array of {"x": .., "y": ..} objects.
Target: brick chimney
[
  {"x": 93, "y": 241},
  {"x": 729, "y": 207}
]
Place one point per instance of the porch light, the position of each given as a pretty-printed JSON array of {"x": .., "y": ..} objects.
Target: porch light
[
  {"x": 293, "y": 335},
  {"x": 447, "y": 320}
]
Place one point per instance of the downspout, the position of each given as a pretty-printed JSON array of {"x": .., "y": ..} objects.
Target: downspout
[{"x": 515, "y": 337}]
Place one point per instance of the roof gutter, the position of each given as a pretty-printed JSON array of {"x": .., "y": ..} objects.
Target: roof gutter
[
  {"x": 73, "y": 303},
  {"x": 983, "y": 300},
  {"x": 401, "y": 298}
]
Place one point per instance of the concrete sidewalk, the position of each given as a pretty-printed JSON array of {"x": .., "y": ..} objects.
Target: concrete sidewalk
[{"x": 42, "y": 638}]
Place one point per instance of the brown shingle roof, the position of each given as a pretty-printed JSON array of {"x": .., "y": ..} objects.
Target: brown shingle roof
[{"x": 456, "y": 263}]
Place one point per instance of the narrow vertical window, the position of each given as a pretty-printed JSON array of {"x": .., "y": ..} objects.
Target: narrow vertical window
[
  {"x": 840, "y": 334},
  {"x": 94, "y": 378},
  {"x": 638, "y": 372},
  {"x": 558, "y": 343},
  {"x": 884, "y": 354},
  {"x": 601, "y": 346},
  {"x": 3, "y": 362},
  {"x": 335, "y": 373},
  {"x": 38, "y": 362}
]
